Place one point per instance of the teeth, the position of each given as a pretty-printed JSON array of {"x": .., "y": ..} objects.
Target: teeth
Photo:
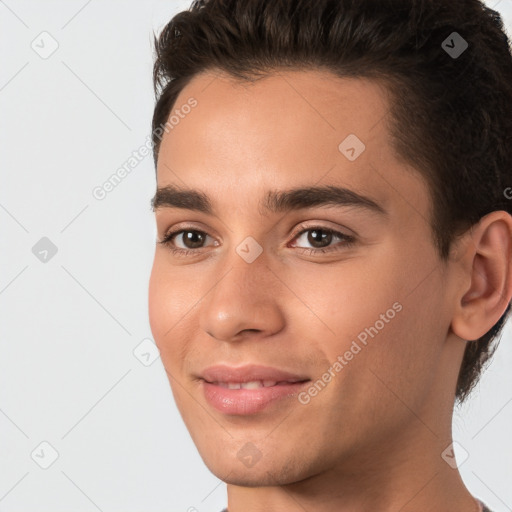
[{"x": 255, "y": 384}]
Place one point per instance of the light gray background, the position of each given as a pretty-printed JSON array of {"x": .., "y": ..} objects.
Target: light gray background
[{"x": 69, "y": 326}]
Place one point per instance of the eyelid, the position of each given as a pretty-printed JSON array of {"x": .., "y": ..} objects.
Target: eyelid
[
  {"x": 346, "y": 240},
  {"x": 177, "y": 228},
  {"x": 304, "y": 226},
  {"x": 170, "y": 235}
]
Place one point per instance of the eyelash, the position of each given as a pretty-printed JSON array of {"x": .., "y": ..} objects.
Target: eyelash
[{"x": 349, "y": 241}]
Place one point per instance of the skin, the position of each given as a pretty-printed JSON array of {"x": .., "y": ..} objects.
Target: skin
[{"x": 372, "y": 439}]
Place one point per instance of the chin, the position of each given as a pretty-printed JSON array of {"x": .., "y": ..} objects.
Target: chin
[
  {"x": 263, "y": 473},
  {"x": 249, "y": 477}
]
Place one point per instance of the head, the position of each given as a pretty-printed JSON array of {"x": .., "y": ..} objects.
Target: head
[{"x": 370, "y": 97}]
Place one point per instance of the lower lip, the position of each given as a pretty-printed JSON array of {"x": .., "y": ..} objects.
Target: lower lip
[{"x": 248, "y": 401}]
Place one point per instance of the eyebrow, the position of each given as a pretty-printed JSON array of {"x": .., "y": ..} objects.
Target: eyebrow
[{"x": 275, "y": 201}]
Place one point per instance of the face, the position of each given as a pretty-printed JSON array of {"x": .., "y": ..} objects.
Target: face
[{"x": 345, "y": 291}]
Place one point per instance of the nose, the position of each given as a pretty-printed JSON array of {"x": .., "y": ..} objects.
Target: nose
[{"x": 245, "y": 300}]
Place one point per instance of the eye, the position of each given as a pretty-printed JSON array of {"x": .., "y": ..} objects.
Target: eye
[
  {"x": 191, "y": 238},
  {"x": 321, "y": 238}
]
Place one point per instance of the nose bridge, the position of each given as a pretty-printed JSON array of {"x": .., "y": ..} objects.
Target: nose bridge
[
  {"x": 246, "y": 269},
  {"x": 243, "y": 298}
]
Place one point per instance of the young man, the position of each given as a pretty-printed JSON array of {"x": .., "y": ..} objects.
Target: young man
[{"x": 335, "y": 242}]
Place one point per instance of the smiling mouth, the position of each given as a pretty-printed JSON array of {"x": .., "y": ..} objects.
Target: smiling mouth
[
  {"x": 255, "y": 384},
  {"x": 251, "y": 397}
]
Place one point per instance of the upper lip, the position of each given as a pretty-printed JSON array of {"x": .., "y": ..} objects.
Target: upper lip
[{"x": 249, "y": 373}]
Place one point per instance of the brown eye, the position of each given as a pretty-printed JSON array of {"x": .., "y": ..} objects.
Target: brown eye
[
  {"x": 320, "y": 239},
  {"x": 192, "y": 239}
]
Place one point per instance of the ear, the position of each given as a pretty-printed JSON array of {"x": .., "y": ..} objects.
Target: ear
[{"x": 486, "y": 270}]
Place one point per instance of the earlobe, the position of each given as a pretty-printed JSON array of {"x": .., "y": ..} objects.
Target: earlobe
[{"x": 487, "y": 264}]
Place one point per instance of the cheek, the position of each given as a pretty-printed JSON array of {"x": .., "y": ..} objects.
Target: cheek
[
  {"x": 341, "y": 301},
  {"x": 173, "y": 302},
  {"x": 385, "y": 312},
  {"x": 156, "y": 301},
  {"x": 399, "y": 352},
  {"x": 164, "y": 310}
]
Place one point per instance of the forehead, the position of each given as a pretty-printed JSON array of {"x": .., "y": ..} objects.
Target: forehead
[{"x": 289, "y": 129}]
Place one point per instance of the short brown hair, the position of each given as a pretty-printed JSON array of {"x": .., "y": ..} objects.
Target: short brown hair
[{"x": 451, "y": 115}]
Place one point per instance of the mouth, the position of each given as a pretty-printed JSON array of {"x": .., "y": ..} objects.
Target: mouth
[
  {"x": 255, "y": 384},
  {"x": 249, "y": 374},
  {"x": 250, "y": 389}
]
